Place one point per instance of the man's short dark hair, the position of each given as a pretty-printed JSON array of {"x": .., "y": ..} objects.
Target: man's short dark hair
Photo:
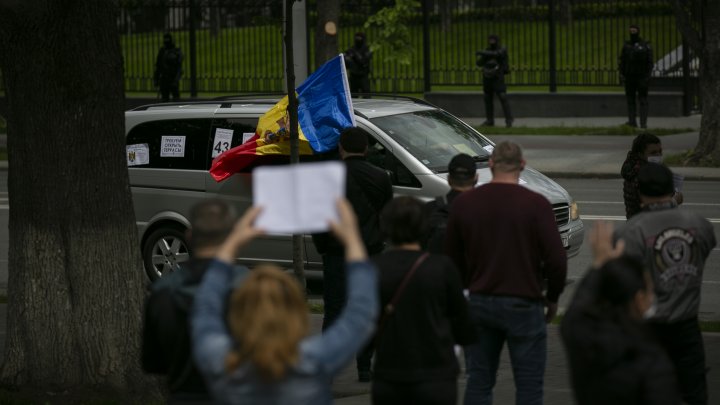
[
  {"x": 354, "y": 140},
  {"x": 403, "y": 220},
  {"x": 655, "y": 180},
  {"x": 642, "y": 141},
  {"x": 211, "y": 221},
  {"x": 507, "y": 157}
]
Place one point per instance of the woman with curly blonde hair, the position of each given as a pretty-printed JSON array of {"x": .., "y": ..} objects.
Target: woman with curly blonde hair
[{"x": 262, "y": 354}]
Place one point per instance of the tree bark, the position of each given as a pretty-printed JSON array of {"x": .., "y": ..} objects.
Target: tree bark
[
  {"x": 326, "y": 44},
  {"x": 76, "y": 284},
  {"x": 706, "y": 15}
]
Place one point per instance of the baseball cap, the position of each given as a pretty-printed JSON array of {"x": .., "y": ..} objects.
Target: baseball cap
[
  {"x": 655, "y": 180},
  {"x": 462, "y": 167}
]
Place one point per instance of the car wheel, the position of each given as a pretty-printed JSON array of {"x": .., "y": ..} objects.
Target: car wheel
[{"x": 164, "y": 249}]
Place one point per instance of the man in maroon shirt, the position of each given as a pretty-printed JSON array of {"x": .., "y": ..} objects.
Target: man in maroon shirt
[{"x": 504, "y": 240}]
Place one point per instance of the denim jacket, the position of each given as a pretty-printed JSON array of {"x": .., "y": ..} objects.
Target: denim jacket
[{"x": 321, "y": 356}]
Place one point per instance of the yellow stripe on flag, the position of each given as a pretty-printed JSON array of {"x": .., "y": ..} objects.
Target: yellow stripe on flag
[{"x": 274, "y": 135}]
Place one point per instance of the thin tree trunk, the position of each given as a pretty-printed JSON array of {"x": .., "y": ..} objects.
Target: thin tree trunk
[
  {"x": 326, "y": 43},
  {"x": 76, "y": 285}
]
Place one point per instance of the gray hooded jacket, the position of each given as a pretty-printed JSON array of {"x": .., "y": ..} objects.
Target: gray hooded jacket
[{"x": 673, "y": 244}]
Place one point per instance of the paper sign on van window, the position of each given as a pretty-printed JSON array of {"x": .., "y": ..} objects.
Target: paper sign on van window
[
  {"x": 247, "y": 136},
  {"x": 462, "y": 148},
  {"x": 138, "y": 154},
  {"x": 222, "y": 142},
  {"x": 172, "y": 146}
]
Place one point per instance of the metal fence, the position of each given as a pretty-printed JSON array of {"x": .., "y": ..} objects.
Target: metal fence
[{"x": 236, "y": 45}]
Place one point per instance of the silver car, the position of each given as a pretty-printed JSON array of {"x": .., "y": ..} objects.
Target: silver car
[{"x": 409, "y": 138}]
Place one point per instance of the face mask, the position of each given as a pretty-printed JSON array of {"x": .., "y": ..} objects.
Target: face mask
[
  {"x": 654, "y": 159},
  {"x": 650, "y": 312},
  {"x": 634, "y": 37}
]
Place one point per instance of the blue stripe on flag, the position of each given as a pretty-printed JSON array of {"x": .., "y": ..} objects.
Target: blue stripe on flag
[{"x": 324, "y": 105}]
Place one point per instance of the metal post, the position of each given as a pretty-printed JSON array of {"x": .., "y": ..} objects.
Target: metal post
[
  {"x": 426, "y": 45},
  {"x": 552, "y": 46},
  {"x": 687, "y": 83},
  {"x": 298, "y": 259},
  {"x": 193, "y": 51}
]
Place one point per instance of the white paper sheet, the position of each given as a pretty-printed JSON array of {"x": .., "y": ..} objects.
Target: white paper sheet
[
  {"x": 298, "y": 198},
  {"x": 678, "y": 180},
  {"x": 172, "y": 146},
  {"x": 138, "y": 154},
  {"x": 247, "y": 136},
  {"x": 222, "y": 141}
]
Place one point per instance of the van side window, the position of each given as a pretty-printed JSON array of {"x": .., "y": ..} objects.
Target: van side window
[
  {"x": 383, "y": 158},
  {"x": 190, "y": 156}
]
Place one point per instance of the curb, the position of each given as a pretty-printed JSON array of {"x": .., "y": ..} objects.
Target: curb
[{"x": 613, "y": 176}]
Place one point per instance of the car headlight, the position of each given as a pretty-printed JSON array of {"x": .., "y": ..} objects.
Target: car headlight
[{"x": 574, "y": 212}]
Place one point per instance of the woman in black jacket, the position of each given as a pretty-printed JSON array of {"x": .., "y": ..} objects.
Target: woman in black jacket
[
  {"x": 415, "y": 361},
  {"x": 613, "y": 359}
]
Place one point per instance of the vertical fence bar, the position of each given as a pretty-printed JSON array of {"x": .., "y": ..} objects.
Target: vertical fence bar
[
  {"x": 426, "y": 45},
  {"x": 193, "y": 52},
  {"x": 552, "y": 47}
]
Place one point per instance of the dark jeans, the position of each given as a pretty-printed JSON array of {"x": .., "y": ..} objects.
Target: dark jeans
[
  {"x": 359, "y": 83},
  {"x": 637, "y": 88},
  {"x": 334, "y": 297},
  {"x": 168, "y": 88},
  {"x": 519, "y": 322},
  {"x": 490, "y": 88},
  {"x": 415, "y": 393},
  {"x": 684, "y": 345}
]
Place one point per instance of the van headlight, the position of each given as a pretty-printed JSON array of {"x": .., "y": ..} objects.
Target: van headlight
[{"x": 574, "y": 212}]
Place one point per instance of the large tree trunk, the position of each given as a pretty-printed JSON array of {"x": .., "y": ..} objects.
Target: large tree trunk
[
  {"x": 326, "y": 43},
  {"x": 699, "y": 22},
  {"x": 76, "y": 284}
]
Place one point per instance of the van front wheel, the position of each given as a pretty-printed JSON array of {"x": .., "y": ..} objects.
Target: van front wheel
[{"x": 164, "y": 249}]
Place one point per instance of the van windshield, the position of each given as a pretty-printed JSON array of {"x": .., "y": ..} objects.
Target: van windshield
[{"x": 434, "y": 137}]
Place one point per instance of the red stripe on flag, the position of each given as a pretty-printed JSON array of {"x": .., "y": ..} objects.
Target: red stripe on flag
[{"x": 234, "y": 160}]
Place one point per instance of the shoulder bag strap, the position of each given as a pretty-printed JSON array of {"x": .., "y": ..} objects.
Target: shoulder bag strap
[{"x": 390, "y": 307}]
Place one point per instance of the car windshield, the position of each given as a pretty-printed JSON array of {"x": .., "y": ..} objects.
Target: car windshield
[{"x": 434, "y": 137}]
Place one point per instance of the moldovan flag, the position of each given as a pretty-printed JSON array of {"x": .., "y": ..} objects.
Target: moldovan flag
[{"x": 324, "y": 110}]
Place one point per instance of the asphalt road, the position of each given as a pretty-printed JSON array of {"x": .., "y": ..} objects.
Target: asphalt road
[{"x": 597, "y": 199}]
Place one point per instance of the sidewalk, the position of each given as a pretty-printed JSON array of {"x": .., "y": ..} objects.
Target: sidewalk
[
  {"x": 597, "y": 156},
  {"x": 348, "y": 391}
]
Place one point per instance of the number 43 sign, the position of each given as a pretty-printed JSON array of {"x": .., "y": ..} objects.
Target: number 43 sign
[{"x": 222, "y": 142}]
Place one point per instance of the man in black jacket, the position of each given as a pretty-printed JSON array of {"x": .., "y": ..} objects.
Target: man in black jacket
[
  {"x": 168, "y": 69},
  {"x": 462, "y": 176},
  {"x": 357, "y": 59},
  {"x": 368, "y": 188},
  {"x": 636, "y": 65},
  {"x": 494, "y": 64},
  {"x": 167, "y": 348}
]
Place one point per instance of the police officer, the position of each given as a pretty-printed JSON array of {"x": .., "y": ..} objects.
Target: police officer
[
  {"x": 494, "y": 64},
  {"x": 168, "y": 69},
  {"x": 636, "y": 64},
  {"x": 357, "y": 59}
]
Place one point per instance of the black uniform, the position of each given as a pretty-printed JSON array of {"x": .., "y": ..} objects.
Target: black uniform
[
  {"x": 636, "y": 64},
  {"x": 168, "y": 69},
  {"x": 494, "y": 64},
  {"x": 357, "y": 60}
]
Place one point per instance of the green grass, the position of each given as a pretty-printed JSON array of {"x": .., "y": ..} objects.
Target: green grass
[
  {"x": 622, "y": 130},
  {"x": 681, "y": 159},
  {"x": 252, "y": 56}
]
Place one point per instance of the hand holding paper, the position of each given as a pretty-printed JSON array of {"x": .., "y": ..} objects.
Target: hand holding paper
[{"x": 298, "y": 198}]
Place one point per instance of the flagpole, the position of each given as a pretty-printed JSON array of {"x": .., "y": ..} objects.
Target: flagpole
[{"x": 298, "y": 259}]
